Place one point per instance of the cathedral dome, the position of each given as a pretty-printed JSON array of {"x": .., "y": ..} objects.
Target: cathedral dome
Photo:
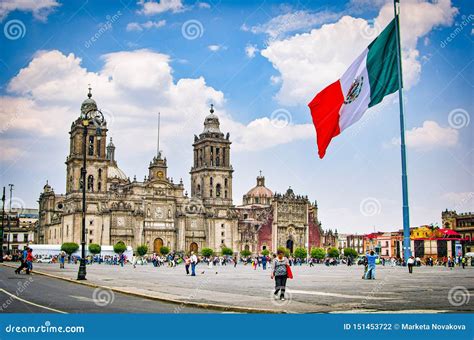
[
  {"x": 260, "y": 191},
  {"x": 114, "y": 172},
  {"x": 211, "y": 122}
]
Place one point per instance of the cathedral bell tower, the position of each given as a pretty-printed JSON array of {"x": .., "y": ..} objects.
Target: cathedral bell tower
[
  {"x": 97, "y": 162},
  {"x": 211, "y": 174}
]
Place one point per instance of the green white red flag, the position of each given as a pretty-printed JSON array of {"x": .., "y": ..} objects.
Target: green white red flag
[{"x": 372, "y": 76}]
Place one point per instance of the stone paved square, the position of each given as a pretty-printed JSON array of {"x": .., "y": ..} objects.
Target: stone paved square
[{"x": 318, "y": 289}]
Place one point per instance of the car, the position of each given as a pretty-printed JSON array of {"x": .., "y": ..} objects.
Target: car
[{"x": 45, "y": 260}]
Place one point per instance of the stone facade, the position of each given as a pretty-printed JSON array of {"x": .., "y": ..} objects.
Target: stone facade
[{"x": 157, "y": 212}]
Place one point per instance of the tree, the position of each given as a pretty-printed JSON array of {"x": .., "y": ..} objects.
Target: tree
[
  {"x": 265, "y": 252},
  {"x": 318, "y": 253},
  {"x": 164, "y": 250},
  {"x": 245, "y": 253},
  {"x": 333, "y": 252},
  {"x": 94, "y": 248},
  {"x": 142, "y": 250},
  {"x": 69, "y": 248},
  {"x": 301, "y": 253},
  {"x": 120, "y": 247},
  {"x": 227, "y": 251},
  {"x": 286, "y": 251},
  {"x": 206, "y": 252},
  {"x": 350, "y": 252}
]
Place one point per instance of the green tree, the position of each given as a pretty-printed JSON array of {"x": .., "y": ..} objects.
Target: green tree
[
  {"x": 265, "y": 252},
  {"x": 245, "y": 253},
  {"x": 301, "y": 253},
  {"x": 333, "y": 252},
  {"x": 142, "y": 250},
  {"x": 286, "y": 251},
  {"x": 94, "y": 248},
  {"x": 318, "y": 253},
  {"x": 120, "y": 247},
  {"x": 350, "y": 252},
  {"x": 164, "y": 250},
  {"x": 207, "y": 252},
  {"x": 69, "y": 247},
  {"x": 227, "y": 251}
]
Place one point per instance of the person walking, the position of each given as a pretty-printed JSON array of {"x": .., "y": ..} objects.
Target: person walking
[
  {"x": 235, "y": 261},
  {"x": 187, "y": 263},
  {"x": 62, "y": 259},
  {"x": 463, "y": 262},
  {"x": 280, "y": 274},
  {"x": 371, "y": 257},
  {"x": 23, "y": 264},
  {"x": 29, "y": 261},
  {"x": 194, "y": 261},
  {"x": 410, "y": 263},
  {"x": 264, "y": 262}
]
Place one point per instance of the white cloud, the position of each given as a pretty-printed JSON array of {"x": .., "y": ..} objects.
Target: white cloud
[
  {"x": 215, "y": 48},
  {"x": 161, "y": 6},
  {"x": 293, "y": 21},
  {"x": 135, "y": 26},
  {"x": 429, "y": 136},
  {"x": 45, "y": 97},
  {"x": 203, "y": 5},
  {"x": 40, "y": 8},
  {"x": 250, "y": 50},
  {"x": 310, "y": 61}
]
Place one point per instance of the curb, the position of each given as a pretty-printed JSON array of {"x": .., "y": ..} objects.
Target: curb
[{"x": 162, "y": 299}]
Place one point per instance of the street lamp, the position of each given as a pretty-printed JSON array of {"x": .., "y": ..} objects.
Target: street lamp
[
  {"x": 3, "y": 228},
  {"x": 97, "y": 118}
]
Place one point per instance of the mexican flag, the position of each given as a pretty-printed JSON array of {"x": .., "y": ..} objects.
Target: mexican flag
[{"x": 372, "y": 76}]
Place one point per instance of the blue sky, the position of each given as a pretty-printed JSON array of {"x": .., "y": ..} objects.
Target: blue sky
[{"x": 260, "y": 63}]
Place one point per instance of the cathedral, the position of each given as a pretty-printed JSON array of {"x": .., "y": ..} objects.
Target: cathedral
[{"x": 158, "y": 212}]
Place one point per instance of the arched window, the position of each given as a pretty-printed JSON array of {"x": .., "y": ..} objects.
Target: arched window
[
  {"x": 225, "y": 182},
  {"x": 90, "y": 183},
  {"x": 100, "y": 173},
  {"x": 225, "y": 193},
  {"x": 99, "y": 186},
  {"x": 218, "y": 190},
  {"x": 211, "y": 181},
  {"x": 199, "y": 189},
  {"x": 210, "y": 193}
]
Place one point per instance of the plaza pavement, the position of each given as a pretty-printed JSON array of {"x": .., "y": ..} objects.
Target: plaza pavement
[{"x": 314, "y": 289}]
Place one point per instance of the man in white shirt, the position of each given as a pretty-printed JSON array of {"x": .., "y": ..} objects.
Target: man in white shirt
[{"x": 194, "y": 261}]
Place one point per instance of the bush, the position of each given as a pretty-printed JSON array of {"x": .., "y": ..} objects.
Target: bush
[
  {"x": 265, "y": 252},
  {"x": 120, "y": 247},
  {"x": 285, "y": 250},
  {"x": 142, "y": 250},
  {"x": 318, "y": 253},
  {"x": 350, "y": 252},
  {"x": 206, "y": 252},
  {"x": 301, "y": 253},
  {"x": 333, "y": 252},
  {"x": 227, "y": 251},
  {"x": 245, "y": 253},
  {"x": 164, "y": 250},
  {"x": 69, "y": 247},
  {"x": 94, "y": 248}
]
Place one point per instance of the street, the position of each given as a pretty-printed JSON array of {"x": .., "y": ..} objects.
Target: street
[{"x": 41, "y": 294}]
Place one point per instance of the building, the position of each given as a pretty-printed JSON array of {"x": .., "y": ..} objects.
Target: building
[
  {"x": 158, "y": 212},
  {"x": 463, "y": 223},
  {"x": 356, "y": 242},
  {"x": 341, "y": 242},
  {"x": 19, "y": 229},
  {"x": 268, "y": 220}
]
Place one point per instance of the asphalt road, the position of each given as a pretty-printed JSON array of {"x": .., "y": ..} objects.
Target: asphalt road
[{"x": 41, "y": 294}]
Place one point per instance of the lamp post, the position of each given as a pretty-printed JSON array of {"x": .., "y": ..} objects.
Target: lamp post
[{"x": 97, "y": 118}]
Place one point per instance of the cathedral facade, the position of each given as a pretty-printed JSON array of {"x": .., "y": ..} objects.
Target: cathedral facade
[{"x": 158, "y": 212}]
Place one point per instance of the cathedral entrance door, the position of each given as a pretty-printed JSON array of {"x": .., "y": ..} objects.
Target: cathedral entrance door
[
  {"x": 289, "y": 245},
  {"x": 193, "y": 247},
  {"x": 157, "y": 244}
]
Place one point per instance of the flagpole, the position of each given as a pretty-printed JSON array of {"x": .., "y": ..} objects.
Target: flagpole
[{"x": 406, "y": 210}]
